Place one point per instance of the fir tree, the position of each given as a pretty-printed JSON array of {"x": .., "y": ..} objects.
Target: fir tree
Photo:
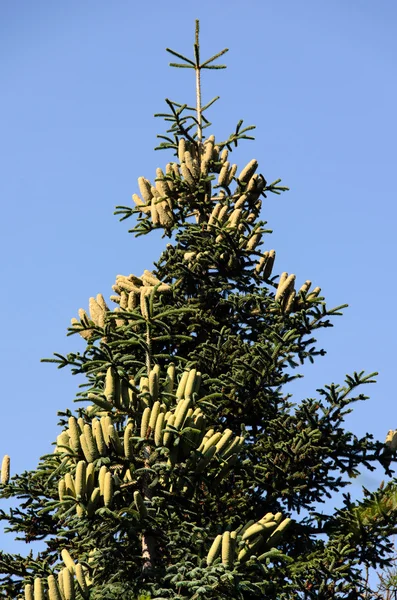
[{"x": 186, "y": 472}]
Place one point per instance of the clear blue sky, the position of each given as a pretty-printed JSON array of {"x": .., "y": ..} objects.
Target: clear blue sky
[{"x": 80, "y": 83}]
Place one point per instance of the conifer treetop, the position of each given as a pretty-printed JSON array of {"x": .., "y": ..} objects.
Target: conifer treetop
[
  {"x": 185, "y": 471},
  {"x": 185, "y": 189},
  {"x": 198, "y": 66}
]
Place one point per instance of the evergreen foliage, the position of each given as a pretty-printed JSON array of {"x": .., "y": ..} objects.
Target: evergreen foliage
[{"x": 186, "y": 472}]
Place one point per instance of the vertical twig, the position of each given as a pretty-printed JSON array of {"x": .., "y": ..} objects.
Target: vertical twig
[
  {"x": 198, "y": 82},
  {"x": 148, "y": 541},
  {"x": 366, "y": 580},
  {"x": 149, "y": 350}
]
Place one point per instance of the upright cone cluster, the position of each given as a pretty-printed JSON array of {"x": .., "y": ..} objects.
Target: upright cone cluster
[
  {"x": 157, "y": 413},
  {"x": 71, "y": 583},
  {"x": 240, "y": 544}
]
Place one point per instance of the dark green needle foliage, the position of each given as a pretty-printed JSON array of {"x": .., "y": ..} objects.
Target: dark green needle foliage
[{"x": 185, "y": 471}]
